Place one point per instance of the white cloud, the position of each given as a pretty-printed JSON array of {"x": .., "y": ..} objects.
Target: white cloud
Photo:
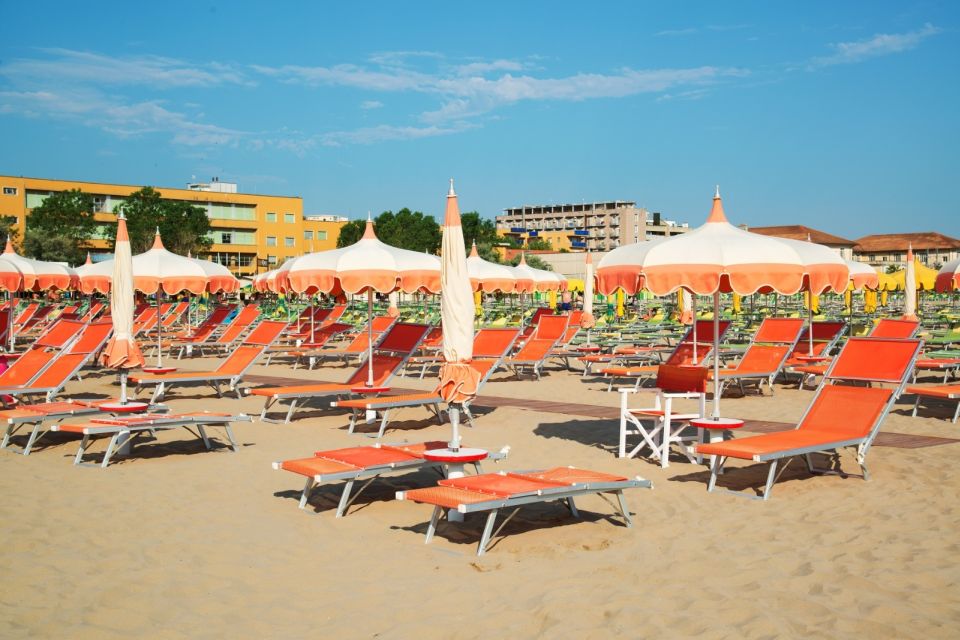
[
  {"x": 83, "y": 67},
  {"x": 480, "y": 68},
  {"x": 390, "y": 133},
  {"x": 371, "y": 104},
  {"x": 879, "y": 45}
]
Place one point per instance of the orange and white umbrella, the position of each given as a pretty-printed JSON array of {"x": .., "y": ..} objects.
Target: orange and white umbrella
[
  {"x": 11, "y": 278},
  {"x": 540, "y": 279},
  {"x": 489, "y": 276},
  {"x": 458, "y": 380},
  {"x": 862, "y": 276},
  {"x": 719, "y": 257},
  {"x": 948, "y": 277},
  {"x": 39, "y": 275},
  {"x": 588, "y": 321},
  {"x": 159, "y": 269},
  {"x": 910, "y": 287},
  {"x": 122, "y": 352},
  {"x": 219, "y": 278}
]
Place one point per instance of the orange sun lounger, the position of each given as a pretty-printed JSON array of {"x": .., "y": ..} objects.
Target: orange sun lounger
[
  {"x": 122, "y": 429},
  {"x": 839, "y": 416},
  {"x": 35, "y": 416},
  {"x": 940, "y": 392},
  {"x": 230, "y": 371},
  {"x": 355, "y": 464},
  {"x": 492, "y": 492},
  {"x": 534, "y": 352}
]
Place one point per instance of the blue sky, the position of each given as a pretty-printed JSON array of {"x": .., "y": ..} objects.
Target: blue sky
[{"x": 842, "y": 116}]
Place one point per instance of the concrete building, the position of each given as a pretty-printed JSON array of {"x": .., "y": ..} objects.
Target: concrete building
[
  {"x": 799, "y": 232},
  {"x": 250, "y": 232},
  {"x": 931, "y": 248},
  {"x": 595, "y": 226}
]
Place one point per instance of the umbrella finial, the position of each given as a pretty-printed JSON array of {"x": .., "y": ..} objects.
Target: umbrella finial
[
  {"x": 716, "y": 212},
  {"x": 523, "y": 259},
  {"x": 473, "y": 250},
  {"x": 157, "y": 241},
  {"x": 909, "y": 251},
  {"x": 368, "y": 233},
  {"x": 451, "y": 193},
  {"x": 9, "y": 247},
  {"x": 452, "y": 216}
]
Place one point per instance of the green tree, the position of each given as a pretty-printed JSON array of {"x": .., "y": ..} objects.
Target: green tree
[
  {"x": 60, "y": 228},
  {"x": 532, "y": 261},
  {"x": 183, "y": 227},
  {"x": 477, "y": 229},
  {"x": 539, "y": 244},
  {"x": 8, "y": 229},
  {"x": 405, "y": 229}
]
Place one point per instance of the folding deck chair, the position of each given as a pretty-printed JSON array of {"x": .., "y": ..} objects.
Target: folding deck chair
[
  {"x": 840, "y": 415},
  {"x": 492, "y": 492},
  {"x": 673, "y": 382},
  {"x": 685, "y": 353},
  {"x": 366, "y": 464},
  {"x": 490, "y": 347},
  {"x": 230, "y": 372},
  {"x": 125, "y": 428},
  {"x": 67, "y": 363},
  {"x": 535, "y": 351},
  {"x": 389, "y": 357},
  {"x": 765, "y": 356}
]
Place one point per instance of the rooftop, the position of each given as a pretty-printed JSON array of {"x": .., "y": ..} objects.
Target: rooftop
[
  {"x": 899, "y": 241},
  {"x": 800, "y": 232}
]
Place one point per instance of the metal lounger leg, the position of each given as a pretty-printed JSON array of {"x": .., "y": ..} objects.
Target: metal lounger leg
[
  {"x": 771, "y": 478},
  {"x": 716, "y": 464},
  {"x": 573, "y": 507},
  {"x": 233, "y": 442},
  {"x": 344, "y": 498},
  {"x": 353, "y": 420},
  {"x": 916, "y": 404},
  {"x": 624, "y": 510},
  {"x": 487, "y": 531},
  {"x": 83, "y": 448},
  {"x": 110, "y": 447},
  {"x": 203, "y": 436},
  {"x": 293, "y": 405},
  {"x": 305, "y": 495},
  {"x": 385, "y": 417},
  {"x": 432, "y": 527},
  {"x": 35, "y": 435}
]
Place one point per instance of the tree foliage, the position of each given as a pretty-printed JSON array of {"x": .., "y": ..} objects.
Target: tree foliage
[
  {"x": 60, "y": 228},
  {"x": 477, "y": 229},
  {"x": 532, "y": 261},
  {"x": 183, "y": 227},
  {"x": 539, "y": 244},
  {"x": 8, "y": 229},
  {"x": 404, "y": 229}
]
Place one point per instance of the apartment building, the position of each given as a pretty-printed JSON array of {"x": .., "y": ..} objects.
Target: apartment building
[
  {"x": 250, "y": 232},
  {"x": 595, "y": 226}
]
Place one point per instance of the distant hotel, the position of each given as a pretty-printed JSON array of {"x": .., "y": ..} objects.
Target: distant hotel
[
  {"x": 250, "y": 233},
  {"x": 596, "y": 226}
]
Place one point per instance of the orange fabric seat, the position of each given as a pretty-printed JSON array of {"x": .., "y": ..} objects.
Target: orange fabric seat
[
  {"x": 945, "y": 391},
  {"x": 747, "y": 448},
  {"x": 363, "y": 403}
]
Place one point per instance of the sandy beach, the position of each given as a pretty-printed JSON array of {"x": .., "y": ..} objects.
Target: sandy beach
[{"x": 177, "y": 542}]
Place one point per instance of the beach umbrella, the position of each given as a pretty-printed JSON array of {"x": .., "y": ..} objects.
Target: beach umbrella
[
  {"x": 716, "y": 258},
  {"x": 948, "y": 277},
  {"x": 367, "y": 266},
  {"x": 11, "y": 278},
  {"x": 39, "y": 275},
  {"x": 122, "y": 352},
  {"x": 910, "y": 287},
  {"x": 588, "y": 320},
  {"x": 489, "y": 277},
  {"x": 862, "y": 276},
  {"x": 458, "y": 380},
  {"x": 219, "y": 278}
]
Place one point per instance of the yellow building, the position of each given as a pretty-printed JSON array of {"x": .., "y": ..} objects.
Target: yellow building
[{"x": 251, "y": 233}]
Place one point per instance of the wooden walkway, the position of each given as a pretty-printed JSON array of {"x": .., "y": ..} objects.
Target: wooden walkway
[{"x": 884, "y": 439}]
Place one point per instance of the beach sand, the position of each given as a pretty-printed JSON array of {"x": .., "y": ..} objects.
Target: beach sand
[{"x": 177, "y": 542}]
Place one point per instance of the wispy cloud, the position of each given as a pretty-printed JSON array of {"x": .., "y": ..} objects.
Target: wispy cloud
[
  {"x": 390, "y": 133},
  {"x": 881, "y": 44},
  {"x": 371, "y": 104},
  {"x": 689, "y": 31},
  {"x": 84, "y": 67}
]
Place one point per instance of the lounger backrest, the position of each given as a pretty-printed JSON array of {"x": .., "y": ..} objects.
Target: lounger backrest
[
  {"x": 175, "y": 315},
  {"x": 534, "y": 350},
  {"x": 434, "y": 338},
  {"x": 243, "y": 320},
  {"x": 551, "y": 328},
  {"x": 60, "y": 371},
  {"x": 384, "y": 366},
  {"x": 5, "y": 316},
  {"x": 240, "y": 359},
  {"x": 37, "y": 317},
  {"x": 847, "y": 412},
  {"x": 779, "y": 330},
  {"x": 576, "y": 318},
  {"x": 382, "y": 323},
  {"x": 335, "y": 314},
  {"x": 493, "y": 343},
  {"x": 875, "y": 360},
  {"x": 892, "y": 328},
  {"x": 678, "y": 379},
  {"x": 266, "y": 333},
  {"x": 27, "y": 367},
  {"x": 763, "y": 358},
  {"x": 60, "y": 333},
  {"x": 683, "y": 354},
  {"x": 403, "y": 337},
  {"x": 705, "y": 331},
  {"x": 27, "y": 313},
  {"x": 210, "y": 325},
  {"x": 93, "y": 337}
]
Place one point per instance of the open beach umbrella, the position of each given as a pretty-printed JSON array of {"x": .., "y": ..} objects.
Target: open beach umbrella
[
  {"x": 716, "y": 258},
  {"x": 39, "y": 275},
  {"x": 862, "y": 276},
  {"x": 458, "y": 380},
  {"x": 910, "y": 287},
  {"x": 122, "y": 352},
  {"x": 11, "y": 278},
  {"x": 487, "y": 276},
  {"x": 948, "y": 277},
  {"x": 219, "y": 278},
  {"x": 367, "y": 266}
]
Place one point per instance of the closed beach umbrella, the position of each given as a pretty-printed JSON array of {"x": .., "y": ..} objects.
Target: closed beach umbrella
[
  {"x": 910, "y": 288},
  {"x": 458, "y": 380},
  {"x": 122, "y": 352},
  {"x": 948, "y": 278},
  {"x": 588, "y": 320}
]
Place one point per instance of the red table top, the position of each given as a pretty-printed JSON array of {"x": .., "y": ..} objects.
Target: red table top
[
  {"x": 114, "y": 406},
  {"x": 716, "y": 423},
  {"x": 158, "y": 370},
  {"x": 812, "y": 358},
  {"x": 365, "y": 389},
  {"x": 448, "y": 455}
]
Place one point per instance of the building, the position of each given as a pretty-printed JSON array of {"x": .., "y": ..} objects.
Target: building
[
  {"x": 251, "y": 233},
  {"x": 931, "y": 248},
  {"x": 596, "y": 226},
  {"x": 799, "y": 232}
]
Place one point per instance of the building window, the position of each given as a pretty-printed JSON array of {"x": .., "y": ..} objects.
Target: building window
[
  {"x": 231, "y": 211},
  {"x": 271, "y": 260},
  {"x": 289, "y": 218},
  {"x": 271, "y": 241},
  {"x": 271, "y": 217},
  {"x": 308, "y": 235},
  {"x": 9, "y": 191},
  {"x": 321, "y": 235},
  {"x": 289, "y": 241}
]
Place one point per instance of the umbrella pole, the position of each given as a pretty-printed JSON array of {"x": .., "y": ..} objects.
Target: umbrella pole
[
  {"x": 313, "y": 336},
  {"x": 453, "y": 410},
  {"x": 159, "y": 333},
  {"x": 716, "y": 354},
  {"x": 123, "y": 386},
  {"x": 370, "y": 337},
  {"x": 693, "y": 310},
  {"x": 810, "y": 323}
]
